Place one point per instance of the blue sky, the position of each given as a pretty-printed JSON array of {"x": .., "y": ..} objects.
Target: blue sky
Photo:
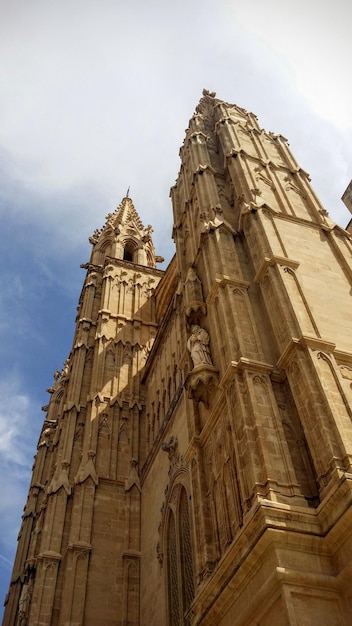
[{"x": 95, "y": 97}]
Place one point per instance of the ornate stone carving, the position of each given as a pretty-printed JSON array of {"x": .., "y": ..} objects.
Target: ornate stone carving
[
  {"x": 133, "y": 478},
  {"x": 194, "y": 305},
  {"x": 326, "y": 221},
  {"x": 45, "y": 440},
  {"x": 95, "y": 237},
  {"x": 87, "y": 470},
  {"x": 147, "y": 287},
  {"x": 206, "y": 92},
  {"x": 60, "y": 479},
  {"x": 261, "y": 176},
  {"x": 244, "y": 208},
  {"x": 291, "y": 186},
  {"x": 198, "y": 345},
  {"x": 200, "y": 383},
  {"x": 159, "y": 554},
  {"x": 170, "y": 447},
  {"x": 104, "y": 425},
  {"x": 204, "y": 375},
  {"x": 346, "y": 372},
  {"x": 24, "y": 603},
  {"x": 127, "y": 353}
]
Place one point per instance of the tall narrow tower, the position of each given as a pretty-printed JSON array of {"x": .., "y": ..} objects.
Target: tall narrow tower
[
  {"x": 79, "y": 546},
  {"x": 252, "y": 462}
]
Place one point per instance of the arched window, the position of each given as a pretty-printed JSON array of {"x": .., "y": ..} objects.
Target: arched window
[
  {"x": 128, "y": 251},
  {"x": 150, "y": 259},
  {"x": 100, "y": 254},
  {"x": 179, "y": 559},
  {"x": 54, "y": 407}
]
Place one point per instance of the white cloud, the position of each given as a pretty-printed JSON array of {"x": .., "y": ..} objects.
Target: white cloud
[
  {"x": 17, "y": 445},
  {"x": 14, "y": 423},
  {"x": 313, "y": 40},
  {"x": 97, "y": 95}
]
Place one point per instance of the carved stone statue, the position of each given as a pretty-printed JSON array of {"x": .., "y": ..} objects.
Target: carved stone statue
[
  {"x": 170, "y": 446},
  {"x": 65, "y": 367},
  {"x": 57, "y": 376},
  {"x": 45, "y": 438},
  {"x": 198, "y": 345},
  {"x": 24, "y": 604}
]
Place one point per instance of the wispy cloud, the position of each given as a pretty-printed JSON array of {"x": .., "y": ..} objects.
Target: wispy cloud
[
  {"x": 17, "y": 444},
  {"x": 8, "y": 562},
  {"x": 15, "y": 413}
]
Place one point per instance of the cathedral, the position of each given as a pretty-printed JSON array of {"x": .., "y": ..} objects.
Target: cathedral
[{"x": 194, "y": 464}]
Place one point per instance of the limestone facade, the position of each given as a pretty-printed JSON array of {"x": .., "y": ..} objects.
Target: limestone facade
[{"x": 194, "y": 466}]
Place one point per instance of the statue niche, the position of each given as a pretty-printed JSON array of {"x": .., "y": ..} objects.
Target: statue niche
[{"x": 204, "y": 375}]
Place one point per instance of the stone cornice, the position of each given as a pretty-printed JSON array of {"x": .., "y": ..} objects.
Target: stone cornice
[
  {"x": 271, "y": 261},
  {"x": 221, "y": 282},
  {"x": 314, "y": 343},
  {"x": 241, "y": 365},
  {"x": 131, "y": 554},
  {"x": 133, "y": 266}
]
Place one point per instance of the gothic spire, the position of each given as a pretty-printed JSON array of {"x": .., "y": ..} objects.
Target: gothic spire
[{"x": 124, "y": 237}]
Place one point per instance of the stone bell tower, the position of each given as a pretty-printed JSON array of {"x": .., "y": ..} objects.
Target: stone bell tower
[
  {"x": 254, "y": 473},
  {"x": 78, "y": 558}
]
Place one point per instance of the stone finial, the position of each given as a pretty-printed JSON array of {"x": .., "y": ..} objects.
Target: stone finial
[
  {"x": 87, "y": 470},
  {"x": 60, "y": 479},
  {"x": 206, "y": 92},
  {"x": 133, "y": 478}
]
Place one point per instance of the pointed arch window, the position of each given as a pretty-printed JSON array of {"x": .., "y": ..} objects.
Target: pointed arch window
[
  {"x": 150, "y": 260},
  {"x": 179, "y": 559},
  {"x": 101, "y": 253},
  {"x": 54, "y": 407},
  {"x": 128, "y": 251}
]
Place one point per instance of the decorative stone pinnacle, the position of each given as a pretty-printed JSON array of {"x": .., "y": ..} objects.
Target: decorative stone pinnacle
[{"x": 206, "y": 92}]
